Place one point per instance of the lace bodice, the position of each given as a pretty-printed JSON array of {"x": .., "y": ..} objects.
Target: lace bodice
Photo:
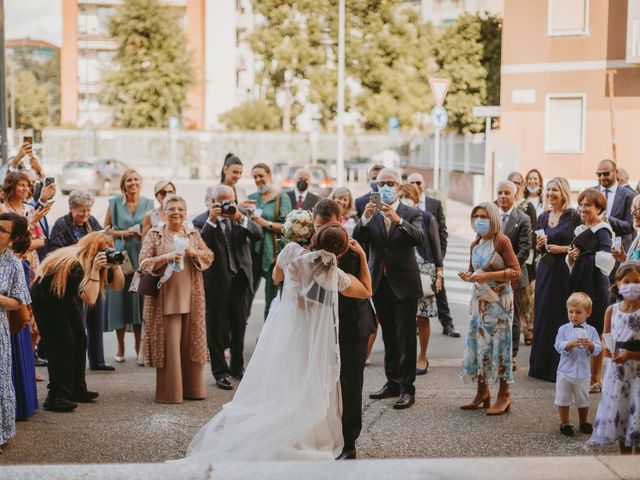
[{"x": 293, "y": 251}]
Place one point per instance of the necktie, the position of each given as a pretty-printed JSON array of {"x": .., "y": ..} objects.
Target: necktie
[
  {"x": 387, "y": 223},
  {"x": 233, "y": 263},
  {"x": 505, "y": 217},
  {"x": 299, "y": 202},
  {"x": 606, "y": 193}
]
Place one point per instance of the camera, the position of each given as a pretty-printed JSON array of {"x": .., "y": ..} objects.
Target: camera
[
  {"x": 228, "y": 208},
  {"x": 114, "y": 257}
]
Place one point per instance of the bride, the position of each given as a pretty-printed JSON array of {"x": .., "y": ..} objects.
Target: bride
[{"x": 287, "y": 406}]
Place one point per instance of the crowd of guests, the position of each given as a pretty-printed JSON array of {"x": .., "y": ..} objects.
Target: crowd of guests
[{"x": 536, "y": 262}]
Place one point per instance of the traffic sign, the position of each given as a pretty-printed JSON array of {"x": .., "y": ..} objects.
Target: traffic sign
[
  {"x": 439, "y": 117},
  {"x": 439, "y": 89},
  {"x": 491, "y": 111},
  {"x": 393, "y": 124}
]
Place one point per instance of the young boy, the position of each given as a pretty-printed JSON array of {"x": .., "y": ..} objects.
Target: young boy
[{"x": 576, "y": 342}]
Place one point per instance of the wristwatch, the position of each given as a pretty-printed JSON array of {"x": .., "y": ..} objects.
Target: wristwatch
[{"x": 270, "y": 227}]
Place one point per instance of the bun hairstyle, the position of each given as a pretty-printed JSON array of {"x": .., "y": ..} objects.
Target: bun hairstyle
[
  {"x": 20, "y": 236},
  {"x": 332, "y": 238},
  {"x": 229, "y": 159},
  {"x": 623, "y": 270}
]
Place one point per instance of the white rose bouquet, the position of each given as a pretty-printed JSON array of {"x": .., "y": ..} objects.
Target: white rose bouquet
[{"x": 298, "y": 227}]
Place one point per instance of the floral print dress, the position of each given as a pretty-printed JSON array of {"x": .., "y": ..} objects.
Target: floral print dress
[
  {"x": 618, "y": 415},
  {"x": 487, "y": 352}
]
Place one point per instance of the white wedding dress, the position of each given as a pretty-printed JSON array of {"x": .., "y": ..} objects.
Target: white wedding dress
[{"x": 287, "y": 406}]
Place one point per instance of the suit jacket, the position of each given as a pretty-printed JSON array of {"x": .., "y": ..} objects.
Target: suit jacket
[
  {"x": 217, "y": 278},
  {"x": 309, "y": 201},
  {"x": 361, "y": 203},
  {"x": 357, "y": 319},
  {"x": 620, "y": 219},
  {"x": 434, "y": 207},
  {"x": 518, "y": 231},
  {"x": 393, "y": 254}
]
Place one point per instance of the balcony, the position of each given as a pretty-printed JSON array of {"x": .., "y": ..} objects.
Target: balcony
[{"x": 633, "y": 31}]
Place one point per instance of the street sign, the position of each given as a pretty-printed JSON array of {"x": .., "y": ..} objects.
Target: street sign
[
  {"x": 393, "y": 124},
  {"x": 439, "y": 117},
  {"x": 491, "y": 111},
  {"x": 439, "y": 89},
  {"x": 174, "y": 123}
]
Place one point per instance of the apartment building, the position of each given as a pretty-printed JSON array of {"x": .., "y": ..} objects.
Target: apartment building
[
  {"x": 556, "y": 109},
  {"x": 443, "y": 13},
  {"x": 36, "y": 50},
  {"x": 215, "y": 30}
]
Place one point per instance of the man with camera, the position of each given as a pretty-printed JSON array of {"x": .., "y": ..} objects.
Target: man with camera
[{"x": 228, "y": 283}]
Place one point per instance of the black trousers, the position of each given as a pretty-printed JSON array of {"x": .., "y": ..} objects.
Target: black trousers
[
  {"x": 398, "y": 321},
  {"x": 226, "y": 318},
  {"x": 63, "y": 332},
  {"x": 353, "y": 355},
  {"x": 444, "y": 314},
  {"x": 93, "y": 317},
  {"x": 516, "y": 327}
]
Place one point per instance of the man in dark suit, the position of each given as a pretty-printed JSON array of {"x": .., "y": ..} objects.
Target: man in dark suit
[
  {"x": 517, "y": 226},
  {"x": 362, "y": 201},
  {"x": 357, "y": 322},
  {"x": 434, "y": 207},
  {"x": 392, "y": 231},
  {"x": 623, "y": 179},
  {"x": 619, "y": 199},
  {"x": 300, "y": 196},
  {"x": 228, "y": 283}
]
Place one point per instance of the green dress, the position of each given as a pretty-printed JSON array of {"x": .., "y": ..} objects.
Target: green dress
[
  {"x": 263, "y": 251},
  {"x": 123, "y": 308}
]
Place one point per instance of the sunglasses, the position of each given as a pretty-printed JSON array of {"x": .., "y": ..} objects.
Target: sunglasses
[
  {"x": 603, "y": 174},
  {"x": 389, "y": 183},
  {"x": 166, "y": 192},
  {"x": 4, "y": 230},
  {"x": 416, "y": 183}
]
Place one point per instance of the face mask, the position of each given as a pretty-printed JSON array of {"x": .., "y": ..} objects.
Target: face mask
[
  {"x": 406, "y": 201},
  {"x": 264, "y": 189},
  {"x": 481, "y": 226},
  {"x": 387, "y": 194},
  {"x": 302, "y": 185},
  {"x": 374, "y": 185},
  {"x": 630, "y": 291},
  {"x": 532, "y": 190}
]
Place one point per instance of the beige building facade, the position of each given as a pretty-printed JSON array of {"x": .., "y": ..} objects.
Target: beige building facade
[{"x": 556, "y": 112}]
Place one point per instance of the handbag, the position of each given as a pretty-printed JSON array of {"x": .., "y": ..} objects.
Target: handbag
[
  {"x": 144, "y": 283},
  {"x": 427, "y": 285},
  {"x": 19, "y": 318}
]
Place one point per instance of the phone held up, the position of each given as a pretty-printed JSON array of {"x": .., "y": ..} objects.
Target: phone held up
[
  {"x": 28, "y": 139},
  {"x": 48, "y": 181},
  {"x": 375, "y": 199}
]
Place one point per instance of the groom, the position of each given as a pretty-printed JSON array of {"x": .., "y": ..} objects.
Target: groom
[{"x": 357, "y": 321}]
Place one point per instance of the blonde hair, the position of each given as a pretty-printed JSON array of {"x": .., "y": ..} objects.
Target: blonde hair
[
  {"x": 340, "y": 192},
  {"x": 565, "y": 190},
  {"x": 124, "y": 176},
  {"x": 60, "y": 262},
  {"x": 495, "y": 223},
  {"x": 580, "y": 299}
]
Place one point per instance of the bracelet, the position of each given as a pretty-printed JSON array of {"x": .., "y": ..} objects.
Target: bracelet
[{"x": 94, "y": 279}]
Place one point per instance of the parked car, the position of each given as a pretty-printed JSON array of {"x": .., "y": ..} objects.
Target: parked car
[
  {"x": 101, "y": 176},
  {"x": 321, "y": 181}
]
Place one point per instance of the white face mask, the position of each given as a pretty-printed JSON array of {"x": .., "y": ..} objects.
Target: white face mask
[
  {"x": 630, "y": 291},
  {"x": 407, "y": 201}
]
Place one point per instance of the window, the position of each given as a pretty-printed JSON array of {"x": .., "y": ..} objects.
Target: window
[
  {"x": 565, "y": 115},
  {"x": 568, "y": 17}
]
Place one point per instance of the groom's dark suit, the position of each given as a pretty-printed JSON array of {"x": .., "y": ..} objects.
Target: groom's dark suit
[
  {"x": 396, "y": 289},
  {"x": 226, "y": 292},
  {"x": 357, "y": 322}
]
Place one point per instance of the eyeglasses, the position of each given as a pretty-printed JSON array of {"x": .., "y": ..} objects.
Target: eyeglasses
[
  {"x": 416, "y": 183},
  {"x": 175, "y": 209},
  {"x": 4, "y": 230},
  {"x": 389, "y": 183},
  {"x": 603, "y": 174},
  {"x": 166, "y": 192}
]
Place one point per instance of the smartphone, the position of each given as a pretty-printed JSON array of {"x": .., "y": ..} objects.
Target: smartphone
[
  {"x": 48, "y": 181},
  {"x": 375, "y": 199},
  {"x": 617, "y": 244},
  {"x": 28, "y": 139}
]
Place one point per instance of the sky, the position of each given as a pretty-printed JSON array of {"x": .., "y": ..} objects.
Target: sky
[{"x": 37, "y": 19}]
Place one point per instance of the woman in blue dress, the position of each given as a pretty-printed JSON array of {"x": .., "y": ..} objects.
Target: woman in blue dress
[
  {"x": 14, "y": 237},
  {"x": 124, "y": 223},
  {"x": 552, "y": 277}
]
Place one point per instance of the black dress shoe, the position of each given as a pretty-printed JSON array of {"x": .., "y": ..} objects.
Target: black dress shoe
[
  {"x": 85, "y": 397},
  {"x": 347, "y": 455},
  {"x": 586, "y": 428},
  {"x": 404, "y": 401},
  {"x": 385, "y": 392},
  {"x": 450, "y": 331},
  {"x": 224, "y": 383},
  {"x": 105, "y": 367},
  {"x": 57, "y": 404}
]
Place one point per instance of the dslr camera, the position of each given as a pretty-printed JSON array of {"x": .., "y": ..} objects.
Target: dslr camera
[
  {"x": 228, "y": 208},
  {"x": 114, "y": 257}
]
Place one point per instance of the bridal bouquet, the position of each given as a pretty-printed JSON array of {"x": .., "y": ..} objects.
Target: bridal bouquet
[{"x": 298, "y": 227}]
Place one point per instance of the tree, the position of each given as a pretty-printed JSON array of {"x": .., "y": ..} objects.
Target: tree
[
  {"x": 153, "y": 69},
  {"x": 491, "y": 36},
  {"x": 252, "y": 115},
  {"x": 31, "y": 101}
]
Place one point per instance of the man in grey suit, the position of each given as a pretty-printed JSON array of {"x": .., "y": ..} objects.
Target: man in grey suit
[
  {"x": 517, "y": 226},
  {"x": 434, "y": 207},
  {"x": 300, "y": 196}
]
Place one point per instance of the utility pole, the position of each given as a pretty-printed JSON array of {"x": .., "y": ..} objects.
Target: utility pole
[
  {"x": 610, "y": 74},
  {"x": 3, "y": 91}
]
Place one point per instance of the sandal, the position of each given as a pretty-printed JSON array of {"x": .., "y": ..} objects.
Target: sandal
[{"x": 595, "y": 387}]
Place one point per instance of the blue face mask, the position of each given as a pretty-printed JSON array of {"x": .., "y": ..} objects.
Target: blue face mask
[
  {"x": 388, "y": 194},
  {"x": 374, "y": 185},
  {"x": 481, "y": 226},
  {"x": 264, "y": 189},
  {"x": 532, "y": 190}
]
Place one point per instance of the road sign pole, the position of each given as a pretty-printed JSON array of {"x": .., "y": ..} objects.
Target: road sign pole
[{"x": 436, "y": 161}]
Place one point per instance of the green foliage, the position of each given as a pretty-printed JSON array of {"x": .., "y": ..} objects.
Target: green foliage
[
  {"x": 31, "y": 101},
  {"x": 154, "y": 69},
  {"x": 252, "y": 115},
  {"x": 491, "y": 37}
]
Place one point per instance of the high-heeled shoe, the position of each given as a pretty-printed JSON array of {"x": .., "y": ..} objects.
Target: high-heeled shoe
[
  {"x": 119, "y": 358},
  {"x": 499, "y": 411},
  {"x": 475, "y": 403}
]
